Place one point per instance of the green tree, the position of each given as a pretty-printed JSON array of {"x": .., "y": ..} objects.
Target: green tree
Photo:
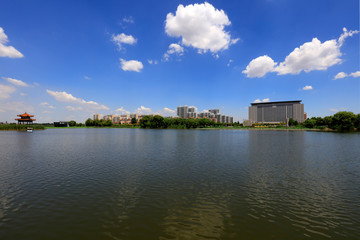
[
  {"x": 157, "y": 121},
  {"x": 291, "y": 122},
  {"x": 108, "y": 123},
  {"x": 309, "y": 123},
  {"x": 72, "y": 123},
  {"x": 89, "y": 122},
  {"x": 145, "y": 122},
  {"x": 133, "y": 121},
  {"x": 357, "y": 122},
  {"x": 319, "y": 121},
  {"x": 343, "y": 120}
]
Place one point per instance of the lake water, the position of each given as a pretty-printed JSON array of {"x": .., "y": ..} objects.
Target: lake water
[{"x": 179, "y": 184}]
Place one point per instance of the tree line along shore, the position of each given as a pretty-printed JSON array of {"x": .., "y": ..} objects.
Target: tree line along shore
[{"x": 341, "y": 121}]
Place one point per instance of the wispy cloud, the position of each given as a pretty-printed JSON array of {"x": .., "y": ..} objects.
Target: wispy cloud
[
  {"x": 47, "y": 105},
  {"x": 152, "y": 61},
  {"x": 7, "y": 51},
  {"x": 341, "y": 75},
  {"x": 306, "y": 88},
  {"x": 6, "y": 91},
  {"x": 16, "y": 82},
  {"x": 67, "y": 97},
  {"x": 264, "y": 100}
]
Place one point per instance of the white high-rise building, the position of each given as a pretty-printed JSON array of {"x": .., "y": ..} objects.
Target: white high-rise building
[
  {"x": 97, "y": 116},
  {"x": 182, "y": 112}
]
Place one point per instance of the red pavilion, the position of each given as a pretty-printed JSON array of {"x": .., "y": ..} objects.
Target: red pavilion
[{"x": 25, "y": 118}]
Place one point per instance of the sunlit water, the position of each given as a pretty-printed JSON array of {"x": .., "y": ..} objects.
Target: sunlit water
[{"x": 179, "y": 184}]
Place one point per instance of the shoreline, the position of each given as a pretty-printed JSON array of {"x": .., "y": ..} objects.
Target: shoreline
[{"x": 210, "y": 128}]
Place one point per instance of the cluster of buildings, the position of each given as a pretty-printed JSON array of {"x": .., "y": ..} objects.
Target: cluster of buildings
[
  {"x": 119, "y": 119},
  {"x": 212, "y": 114},
  {"x": 263, "y": 112}
]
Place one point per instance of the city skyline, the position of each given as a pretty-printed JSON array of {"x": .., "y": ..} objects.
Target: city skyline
[{"x": 116, "y": 58}]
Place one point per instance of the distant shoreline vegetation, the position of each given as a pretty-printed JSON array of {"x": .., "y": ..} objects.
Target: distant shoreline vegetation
[
  {"x": 21, "y": 127},
  {"x": 341, "y": 121}
]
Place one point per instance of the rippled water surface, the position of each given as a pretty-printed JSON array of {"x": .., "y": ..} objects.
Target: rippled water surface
[{"x": 179, "y": 184}]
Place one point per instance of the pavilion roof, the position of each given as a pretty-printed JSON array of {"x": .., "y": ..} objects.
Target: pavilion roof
[
  {"x": 25, "y": 120},
  {"x": 25, "y": 115}
]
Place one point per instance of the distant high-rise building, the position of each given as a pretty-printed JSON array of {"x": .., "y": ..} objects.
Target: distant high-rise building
[
  {"x": 191, "y": 109},
  {"x": 134, "y": 115},
  {"x": 182, "y": 111},
  {"x": 97, "y": 116},
  {"x": 276, "y": 112},
  {"x": 191, "y": 115},
  {"x": 108, "y": 117},
  {"x": 214, "y": 111},
  {"x": 212, "y": 114},
  {"x": 116, "y": 119}
]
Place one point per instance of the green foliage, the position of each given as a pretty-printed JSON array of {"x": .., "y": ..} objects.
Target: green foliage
[
  {"x": 177, "y": 123},
  {"x": 21, "y": 127},
  {"x": 98, "y": 123},
  {"x": 133, "y": 121},
  {"x": 343, "y": 121},
  {"x": 291, "y": 122},
  {"x": 328, "y": 121},
  {"x": 357, "y": 122},
  {"x": 145, "y": 122},
  {"x": 72, "y": 123},
  {"x": 310, "y": 123}
]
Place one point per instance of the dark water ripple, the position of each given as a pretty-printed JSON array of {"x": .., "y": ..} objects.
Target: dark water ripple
[{"x": 169, "y": 184}]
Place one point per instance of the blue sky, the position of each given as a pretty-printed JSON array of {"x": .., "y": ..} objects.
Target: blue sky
[{"x": 63, "y": 60}]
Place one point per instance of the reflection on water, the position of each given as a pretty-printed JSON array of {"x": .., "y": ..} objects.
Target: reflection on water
[{"x": 179, "y": 184}]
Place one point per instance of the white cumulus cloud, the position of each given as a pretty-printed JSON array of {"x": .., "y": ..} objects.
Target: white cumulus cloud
[
  {"x": 310, "y": 56},
  {"x": 200, "y": 26},
  {"x": 122, "y": 110},
  {"x": 122, "y": 38},
  {"x": 355, "y": 74},
  {"x": 7, "y": 51},
  {"x": 259, "y": 67},
  {"x": 307, "y": 88},
  {"x": 6, "y": 91},
  {"x": 174, "y": 48},
  {"x": 131, "y": 65},
  {"x": 143, "y": 110},
  {"x": 67, "y": 97},
  {"x": 16, "y": 82}
]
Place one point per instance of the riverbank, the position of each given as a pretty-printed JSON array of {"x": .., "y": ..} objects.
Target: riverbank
[{"x": 16, "y": 127}]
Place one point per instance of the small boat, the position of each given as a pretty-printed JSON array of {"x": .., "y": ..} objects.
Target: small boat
[{"x": 29, "y": 129}]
